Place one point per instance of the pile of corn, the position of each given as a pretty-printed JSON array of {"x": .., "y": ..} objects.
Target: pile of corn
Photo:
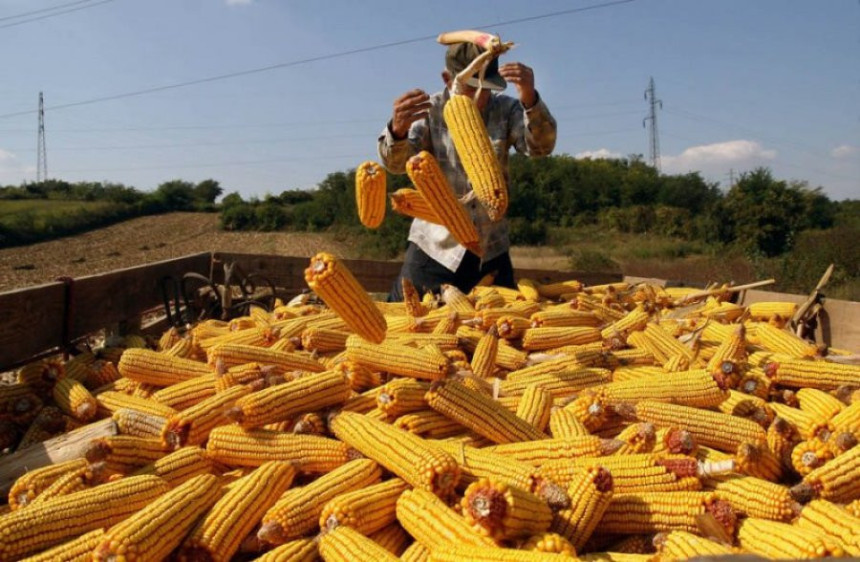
[{"x": 616, "y": 422}]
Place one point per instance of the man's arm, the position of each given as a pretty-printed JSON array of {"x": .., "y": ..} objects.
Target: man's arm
[
  {"x": 533, "y": 128},
  {"x": 393, "y": 145}
]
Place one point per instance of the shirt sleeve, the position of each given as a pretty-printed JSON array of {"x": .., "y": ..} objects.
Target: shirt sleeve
[
  {"x": 534, "y": 129},
  {"x": 393, "y": 153}
]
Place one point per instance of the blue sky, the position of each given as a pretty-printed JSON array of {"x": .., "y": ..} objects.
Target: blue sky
[{"x": 744, "y": 83}]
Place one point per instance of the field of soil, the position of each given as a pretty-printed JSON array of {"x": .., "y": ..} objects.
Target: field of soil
[{"x": 155, "y": 238}]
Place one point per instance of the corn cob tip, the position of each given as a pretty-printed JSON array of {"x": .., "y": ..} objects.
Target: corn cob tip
[
  {"x": 555, "y": 496},
  {"x": 97, "y": 450},
  {"x": 722, "y": 511},
  {"x": 680, "y": 441},
  {"x": 175, "y": 435},
  {"x": 272, "y": 533},
  {"x": 235, "y": 414},
  {"x": 626, "y": 411},
  {"x": 603, "y": 480},
  {"x": 803, "y": 493}
]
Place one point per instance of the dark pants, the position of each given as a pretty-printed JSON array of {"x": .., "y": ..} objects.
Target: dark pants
[{"x": 428, "y": 275}]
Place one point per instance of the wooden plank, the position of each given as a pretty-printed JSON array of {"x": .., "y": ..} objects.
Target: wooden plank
[
  {"x": 65, "y": 447},
  {"x": 103, "y": 300},
  {"x": 32, "y": 322},
  {"x": 554, "y": 276},
  {"x": 838, "y": 322}
]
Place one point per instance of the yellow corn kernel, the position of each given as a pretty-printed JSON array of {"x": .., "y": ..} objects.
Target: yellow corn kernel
[
  {"x": 473, "y": 146},
  {"x": 777, "y": 540},
  {"x": 366, "y": 510},
  {"x": 501, "y": 511},
  {"x": 297, "y": 511},
  {"x": 420, "y": 463},
  {"x": 370, "y": 193},
  {"x": 590, "y": 494},
  {"x": 433, "y": 523}
]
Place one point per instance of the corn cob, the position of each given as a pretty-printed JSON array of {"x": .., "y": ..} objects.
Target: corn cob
[
  {"x": 73, "y": 481},
  {"x": 418, "y": 462},
  {"x": 179, "y": 466},
  {"x": 412, "y": 203},
  {"x": 397, "y": 359},
  {"x": 29, "y": 485},
  {"x": 755, "y": 459},
  {"x": 122, "y": 453},
  {"x": 392, "y": 538},
  {"x": 231, "y": 355},
  {"x": 473, "y": 410},
  {"x": 75, "y": 550},
  {"x": 782, "y": 341},
  {"x": 502, "y": 511},
  {"x": 767, "y": 311},
  {"x": 138, "y": 424},
  {"x": 219, "y": 533},
  {"x": 747, "y": 406},
  {"x": 233, "y": 446},
  {"x": 835, "y": 481},
  {"x": 457, "y": 553},
  {"x": 834, "y": 521},
  {"x": 549, "y": 543},
  {"x": 633, "y": 321},
  {"x": 819, "y": 404},
  {"x": 74, "y": 399},
  {"x": 540, "y": 451},
  {"x": 697, "y": 388},
  {"x": 564, "y": 423},
  {"x": 434, "y": 524},
  {"x": 154, "y": 531},
  {"x": 402, "y": 396},
  {"x": 561, "y": 383},
  {"x": 19, "y": 404},
  {"x": 192, "y": 425},
  {"x": 299, "y": 550},
  {"x": 590, "y": 494},
  {"x": 484, "y": 359},
  {"x": 184, "y": 394},
  {"x": 429, "y": 424},
  {"x": 773, "y": 539},
  {"x": 650, "y": 512},
  {"x": 803, "y": 421},
  {"x": 277, "y": 403},
  {"x": 479, "y": 159},
  {"x": 681, "y": 545},
  {"x": 335, "y": 284},
  {"x": 630, "y": 473},
  {"x": 297, "y": 511},
  {"x": 145, "y": 365},
  {"x": 511, "y": 326},
  {"x": 479, "y": 463},
  {"x": 344, "y": 544},
  {"x": 637, "y": 438},
  {"x": 366, "y": 510},
  {"x": 415, "y": 552},
  {"x": 370, "y": 193},
  {"x": 29, "y": 530},
  {"x": 535, "y": 339},
  {"x": 591, "y": 409},
  {"x": 754, "y": 497},
  {"x": 41, "y": 375},
  {"x": 712, "y": 429},
  {"x": 535, "y": 407}
]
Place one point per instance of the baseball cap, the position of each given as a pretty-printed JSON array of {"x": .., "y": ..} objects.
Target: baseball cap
[{"x": 459, "y": 56}]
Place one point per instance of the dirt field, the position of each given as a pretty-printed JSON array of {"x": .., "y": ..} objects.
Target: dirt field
[{"x": 156, "y": 238}]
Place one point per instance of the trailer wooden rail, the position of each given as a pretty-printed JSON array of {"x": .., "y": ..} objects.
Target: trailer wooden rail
[{"x": 48, "y": 318}]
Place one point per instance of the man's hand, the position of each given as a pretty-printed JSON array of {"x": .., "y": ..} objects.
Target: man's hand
[
  {"x": 412, "y": 106},
  {"x": 523, "y": 78}
]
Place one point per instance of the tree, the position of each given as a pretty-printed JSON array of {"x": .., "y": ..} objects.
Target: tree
[
  {"x": 175, "y": 195},
  {"x": 207, "y": 191}
]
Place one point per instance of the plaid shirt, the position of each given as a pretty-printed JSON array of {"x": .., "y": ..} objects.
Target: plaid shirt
[{"x": 531, "y": 132}]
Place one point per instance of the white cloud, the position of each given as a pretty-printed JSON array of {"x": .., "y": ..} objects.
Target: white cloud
[
  {"x": 238, "y": 2},
  {"x": 845, "y": 151},
  {"x": 597, "y": 154},
  {"x": 715, "y": 157}
]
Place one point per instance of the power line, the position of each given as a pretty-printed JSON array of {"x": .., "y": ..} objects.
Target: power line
[
  {"x": 308, "y": 60},
  {"x": 46, "y": 16},
  {"x": 43, "y": 10}
]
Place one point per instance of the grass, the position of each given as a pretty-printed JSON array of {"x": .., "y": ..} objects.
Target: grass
[{"x": 37, "y": 210}]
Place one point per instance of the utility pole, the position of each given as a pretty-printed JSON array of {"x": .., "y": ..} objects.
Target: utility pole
[
  {"x": 653, "y": 102},
  {"x": 41, "y": 151}
]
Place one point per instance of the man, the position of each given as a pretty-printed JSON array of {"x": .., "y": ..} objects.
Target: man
[{"x": 433, "y": 257}]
